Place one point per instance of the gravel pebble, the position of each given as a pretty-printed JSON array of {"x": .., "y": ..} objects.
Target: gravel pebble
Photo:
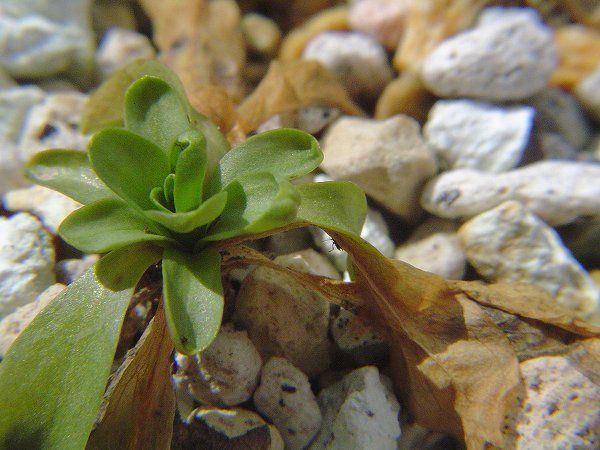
[
  {"x": 510, "y": 55},
  {"x": 356, "y": 59},
  {"x": 588, "y": 93},
  {"x": 283, "y": 318},
  {"x": 435, "y": 247},
  {"x": 477, "y": 135},
  {"x": 285, "y": 397},
  {"x": 561, "y": 407},
  {"x": 12, "y": 325},
  {"x": 556, "y": 191},
  {"x": 225, "y": 374},
  {"x": 26, "y": 261},
  {"x": 382, "y": 19},
  {"x": 49, "y": 206},
  {"x": 510, "y": 244},
  {"x": 358, "y": 339},
  {"x": 358, "y": 412},
  {"x": 387, "y": 158},
  {"x": 119, "y": 47}
]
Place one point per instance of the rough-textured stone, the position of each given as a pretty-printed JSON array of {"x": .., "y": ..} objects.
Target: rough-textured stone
[
  {"x": 387, "y": 158},
  {"x": 356, "y": 59},
  {"x": 284, "y": 318},
  {"x": 26, "y": 261},
  {"x": 382, "y": 19},
  {"x": 312, "y": 119},
  {"x": 358, "y": 339},
  {"x": 559, "y": 112},
  {"x": 235, "y": 428},
  {"x": 561, "y": 406},
  {"x": 54, "y": 123},
  {"x": 261, "y": 34},
  {"x": 477, "y": 135},
  {"x": 509, "y": 243},
  {"x": 41, "y": 38},
  {"x": 68, "y": 270},
  {"x": 358, "y": 412},
  {"x": 588, "y": 92},
  {"x": 15, "y": 104},
  {"x": 435, "y": 247},
  {"x": 556, "y": 191},
  {"x": 119, "y": 47},
  {"x": 49, "y": 206},
  {"x": 509, "y": 56},
  {"x": 285, "y": 398},
  {"x": 12, "y": 325},
  {"x": 225, "y": 374}
]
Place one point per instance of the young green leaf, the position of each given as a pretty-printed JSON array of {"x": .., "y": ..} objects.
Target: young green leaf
[
  {"x": 53, "y": 376},
  {"x": 286, "y": 153},
  {"x": 189, "y": 221},
  {"x": 122, "y": 268},
  {"x": 100, "y": 111},
  {"x": 190, "y": 171},
  {"x": 155, "y": 111},
  {"x": 257, "y": 202},
  {"x": 107, "y": 225},
  {"x": 193, "y": 297},
  {"x": 168, "y": 190},
  {"x": 157, "y": 196},
  {"x": 128, "y": 164},
  {"x": 68, "y": 172},
  {"x": 337, "y": 205}
]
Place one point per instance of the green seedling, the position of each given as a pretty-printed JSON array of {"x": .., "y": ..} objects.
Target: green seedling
[{"x": 165, "y": 186}]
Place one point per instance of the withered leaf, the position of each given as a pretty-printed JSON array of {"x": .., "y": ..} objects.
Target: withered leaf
[
  {"x": 139, "y": 405},
  {"x": 201, "y": 41},
  {"x": 291, "y": 85},
  {"x": 527, "y": 301},
  {"x": 461, "y": 363}
]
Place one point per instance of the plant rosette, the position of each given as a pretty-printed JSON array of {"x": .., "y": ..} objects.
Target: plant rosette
[{"x": 163, "y": 187}]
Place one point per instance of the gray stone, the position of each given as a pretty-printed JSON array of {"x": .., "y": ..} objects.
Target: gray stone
[
  {"x": 284, "y": 396},
  {"x": 356, "y": 59},
  {"x": 68, "y": 270},
  {"x": 283, "y": 318},
  {"x": 12, "y": 325},
  {"x": 382, "y": 19},
  {"x": 39, "y": 38},
  {"x": 587, "y": 92},
  {"x": 435, "y": 247},
  {"x": 387, "y": 158},
  {"x": 510, "y": 244},
  {"x": 120, "y": 47},
  {"x": 54, "y": 123},
  {"x": 358, "y": 412},
  {"x": 49, "y": 206},
  {"x": 559, "y": 112},
  {"x": 26, "y": 261},
  {"x": 557, "y": 191},
  {"x": 561, "y": 406},
  {"x": 510, "y": 55},
  {"x": 477, "y": 135},
  {"x": 230, "y": 428},
  {"x": 224, "y": 374},
  {"x": 358, "y": 339}
]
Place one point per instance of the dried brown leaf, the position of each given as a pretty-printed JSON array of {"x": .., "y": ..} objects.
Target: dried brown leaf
[
  {"x": 289, "y": 86},
  {"x": 462, "y": 376},
  {"x": 139, "y": 405},
  {"x": 201, "y": 41},
  {"x": 527, "y": 301},
  {"x": 328, "y": 20},
  {"x": 578, "y": 50},
  {"x": 405, "y": 95}
]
